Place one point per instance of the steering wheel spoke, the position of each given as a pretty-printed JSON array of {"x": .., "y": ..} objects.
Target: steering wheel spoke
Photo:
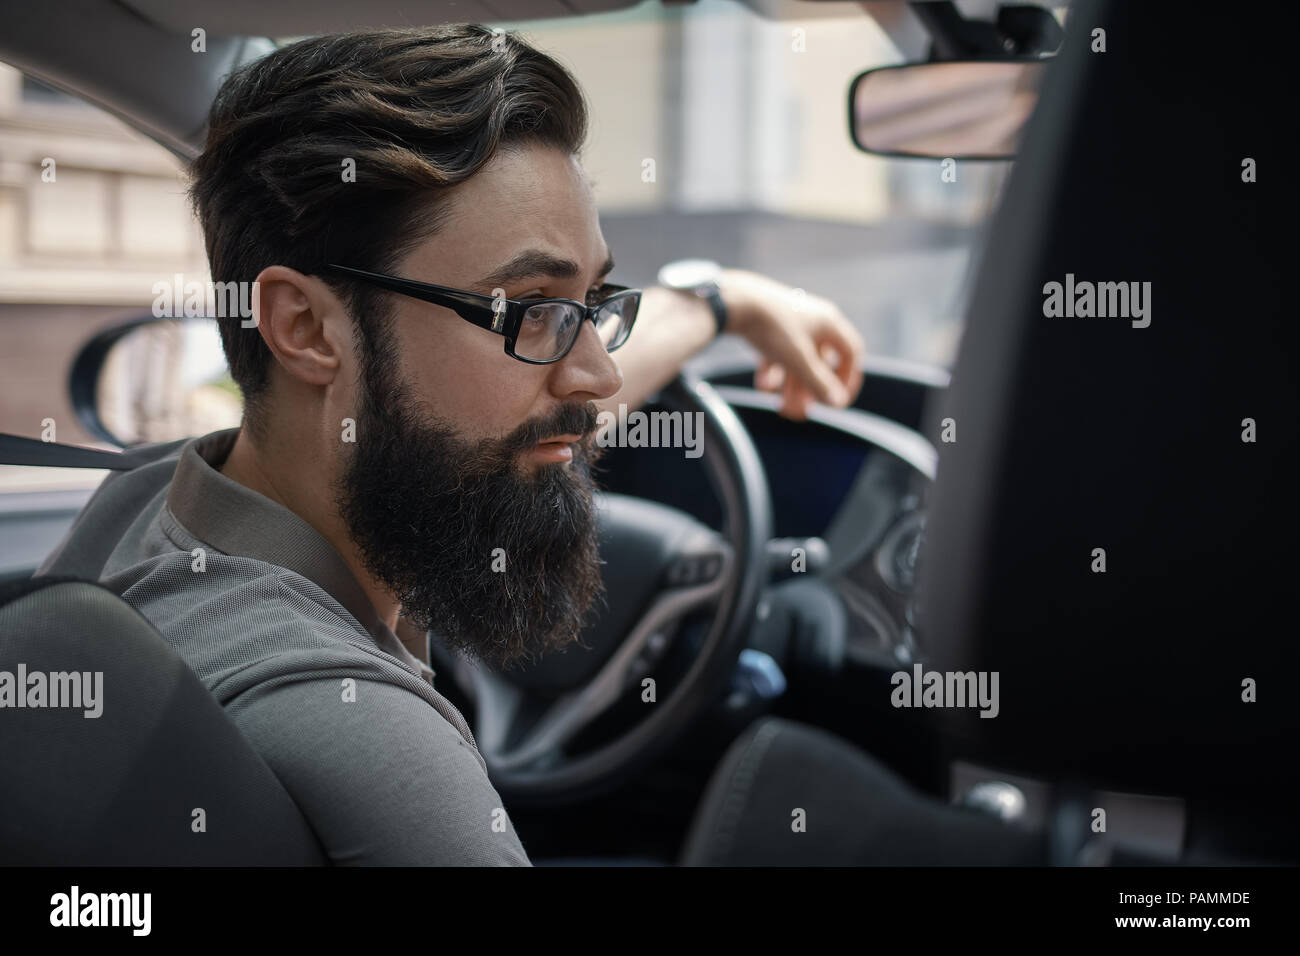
[{"x": 696, "y": 578}]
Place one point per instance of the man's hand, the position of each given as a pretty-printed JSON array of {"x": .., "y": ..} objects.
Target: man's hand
[{"x": 809, "y": 350}]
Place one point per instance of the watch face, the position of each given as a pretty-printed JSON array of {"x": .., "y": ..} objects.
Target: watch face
[{"x": 689, "y": 273}]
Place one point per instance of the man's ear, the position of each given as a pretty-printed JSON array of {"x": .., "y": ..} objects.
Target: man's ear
[{"x": 303, "y": 323}]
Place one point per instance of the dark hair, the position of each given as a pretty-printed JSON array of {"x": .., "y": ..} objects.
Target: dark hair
[{"x": 416, "y": 110}]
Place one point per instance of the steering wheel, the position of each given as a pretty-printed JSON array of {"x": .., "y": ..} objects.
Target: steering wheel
[{"x": 659, "y": 565}]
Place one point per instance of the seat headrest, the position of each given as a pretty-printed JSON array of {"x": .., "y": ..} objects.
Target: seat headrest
[{"x": 1126, "y": 437}]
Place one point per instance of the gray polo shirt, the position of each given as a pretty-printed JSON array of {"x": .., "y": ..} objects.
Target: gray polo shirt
[{"x": 268, "y": 615}]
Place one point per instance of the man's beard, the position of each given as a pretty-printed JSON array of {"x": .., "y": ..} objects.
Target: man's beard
[{"x": 499, "y": 564}]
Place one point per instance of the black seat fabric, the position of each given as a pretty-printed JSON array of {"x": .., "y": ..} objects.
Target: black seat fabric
[
  {"x": 125, "y": 788},
  {"x": 855, "y": 812},
  {"x": 1081, "y": 438}
]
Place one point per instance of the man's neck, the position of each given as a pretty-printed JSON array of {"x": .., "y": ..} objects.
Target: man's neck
[{"x": 307, "y": 493}]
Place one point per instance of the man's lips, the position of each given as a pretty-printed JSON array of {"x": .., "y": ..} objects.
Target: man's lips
[{"x": 556, "y": 449}]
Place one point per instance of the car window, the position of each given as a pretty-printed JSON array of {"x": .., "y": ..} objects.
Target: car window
[
  {"x": 92, "y": 215},
  {"x": 715, "y": 132},
  {"x": 722, "y": 133}
]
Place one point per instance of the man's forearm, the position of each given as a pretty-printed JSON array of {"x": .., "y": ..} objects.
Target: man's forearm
[
  {"x": 808, "y": 350},
  {"x": 671, "y": 327}
]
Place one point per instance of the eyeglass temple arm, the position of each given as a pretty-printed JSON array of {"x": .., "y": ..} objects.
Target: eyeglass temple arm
[{"x": 470, "y": 306}]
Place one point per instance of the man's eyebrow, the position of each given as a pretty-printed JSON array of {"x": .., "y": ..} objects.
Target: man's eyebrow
[{"x": 536, "y": 264}]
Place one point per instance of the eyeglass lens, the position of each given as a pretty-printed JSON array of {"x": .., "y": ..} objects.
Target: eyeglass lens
[{"x": 549, "y": 328}]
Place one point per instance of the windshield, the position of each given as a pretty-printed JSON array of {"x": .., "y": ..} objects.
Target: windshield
[
  {"x": 715, "y": 132},
  {"x": 720, "y": 133}
]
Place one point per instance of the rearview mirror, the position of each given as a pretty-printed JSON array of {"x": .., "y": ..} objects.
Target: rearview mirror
[{"x": 959, "y": 109}]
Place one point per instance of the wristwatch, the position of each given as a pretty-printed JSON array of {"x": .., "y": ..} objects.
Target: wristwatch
[{"x": 700, "y": 277}]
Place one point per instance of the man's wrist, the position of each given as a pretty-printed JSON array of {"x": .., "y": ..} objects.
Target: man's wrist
[
  {"x": 733, "y": 287},
  {"x": 688, "y": 315},
  {"x": 699, "y": 278},
  {"x": 685, "y": 307}
]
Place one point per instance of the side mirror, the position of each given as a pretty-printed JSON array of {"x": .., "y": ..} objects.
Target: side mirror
[
  {"x": 154, "y": 380},
  {"x": 960, "y": 109}
]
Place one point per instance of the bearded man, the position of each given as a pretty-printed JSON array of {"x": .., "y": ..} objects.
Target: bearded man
[{"x": 421, "y": 389}]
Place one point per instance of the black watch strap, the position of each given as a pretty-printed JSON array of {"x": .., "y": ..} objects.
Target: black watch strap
[
  {"x": 700, "y": 278},
  {"x": 713, "y": 296}
]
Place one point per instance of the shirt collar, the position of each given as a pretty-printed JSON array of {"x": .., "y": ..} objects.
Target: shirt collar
[{"x": 236, "y": 520}]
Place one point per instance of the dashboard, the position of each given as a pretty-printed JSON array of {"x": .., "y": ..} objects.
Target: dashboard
[{"x": 857, "y": 481}]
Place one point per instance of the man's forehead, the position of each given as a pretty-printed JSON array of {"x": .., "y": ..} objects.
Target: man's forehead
[
  {"x": 541, "y": 263},
  {"x": 528, "y": 214}
]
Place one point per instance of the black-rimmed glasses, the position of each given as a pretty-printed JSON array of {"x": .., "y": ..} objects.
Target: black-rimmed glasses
[{"x": 537, "y": 331}]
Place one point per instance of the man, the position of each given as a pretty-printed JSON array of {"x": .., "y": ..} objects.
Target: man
[{"x": 390, "y": 447}]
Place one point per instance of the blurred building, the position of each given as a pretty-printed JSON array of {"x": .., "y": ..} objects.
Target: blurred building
[
  {"x": 92, "y": 214},
  {"x": 714, "y": 132}
]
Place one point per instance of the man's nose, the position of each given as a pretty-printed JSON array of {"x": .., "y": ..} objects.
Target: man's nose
[{"x": 588, "y": 372}]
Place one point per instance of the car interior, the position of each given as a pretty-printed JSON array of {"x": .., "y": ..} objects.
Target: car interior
[{"x": 946, "y": 521}]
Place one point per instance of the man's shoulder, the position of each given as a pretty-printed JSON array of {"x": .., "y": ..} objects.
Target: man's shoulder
[
  {"x": 365, "y": 745},
  {"x": 239, "y": 622},
  {"x": 121, "y": 502},
  {"x": 383, "y": 779}
]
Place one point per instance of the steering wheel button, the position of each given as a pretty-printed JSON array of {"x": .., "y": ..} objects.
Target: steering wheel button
[{"x": 684, "y": 572}]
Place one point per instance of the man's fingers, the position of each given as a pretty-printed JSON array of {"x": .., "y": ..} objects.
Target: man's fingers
[
  {"x": 795, "y": 400},
  {"x": 847, "y": 367},
  {"x": 816, "y": 358},
  {"x": 815, "y": 375},
  {"x": 844, "y": 341},
  {"x": 804, "y": 367},
  {"x": 769, "y": 377}
]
